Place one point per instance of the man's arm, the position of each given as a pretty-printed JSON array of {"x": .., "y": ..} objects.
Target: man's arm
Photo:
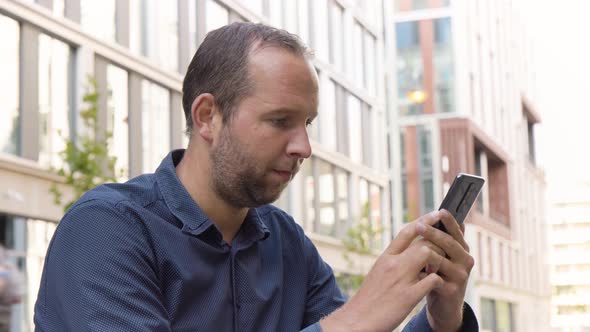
[
  {"x": 396, "y": 284},
  {"x": 100, "y": 275}
]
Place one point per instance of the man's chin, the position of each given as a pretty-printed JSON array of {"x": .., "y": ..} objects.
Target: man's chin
[{"x": 271, "y": 197}]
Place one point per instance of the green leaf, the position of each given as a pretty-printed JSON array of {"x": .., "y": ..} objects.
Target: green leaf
[{"x": 87, "y": 162}]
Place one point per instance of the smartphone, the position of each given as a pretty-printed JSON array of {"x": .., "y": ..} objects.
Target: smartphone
[{"x": 460, "y": 197}]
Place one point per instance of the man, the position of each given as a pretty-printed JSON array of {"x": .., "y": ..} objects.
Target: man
[{"x": 196, "y": 247}]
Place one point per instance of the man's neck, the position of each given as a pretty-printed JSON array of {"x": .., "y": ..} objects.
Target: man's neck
[{"x": 227, "y": 218}]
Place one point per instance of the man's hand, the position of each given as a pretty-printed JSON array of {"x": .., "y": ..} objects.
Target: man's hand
[
  {"x": 396, "y": 284},
  {"x": 445, "y": 303}
]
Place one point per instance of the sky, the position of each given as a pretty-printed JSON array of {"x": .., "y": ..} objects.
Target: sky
[{"x": 563, "y": 84}]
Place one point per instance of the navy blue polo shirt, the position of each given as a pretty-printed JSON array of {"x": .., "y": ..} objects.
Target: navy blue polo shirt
[{"x": 142, "y": 256}]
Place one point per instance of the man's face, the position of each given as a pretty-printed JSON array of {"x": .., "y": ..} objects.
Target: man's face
[{"x": 258, "y": 152}]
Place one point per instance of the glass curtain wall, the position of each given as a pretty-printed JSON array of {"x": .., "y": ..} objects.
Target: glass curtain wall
[
  {"x": 9, "y": 86},
  {"x": 55, "y": 77}
]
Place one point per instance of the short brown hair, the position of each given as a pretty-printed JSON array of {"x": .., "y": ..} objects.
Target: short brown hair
[{"x": 220, "y": 65}]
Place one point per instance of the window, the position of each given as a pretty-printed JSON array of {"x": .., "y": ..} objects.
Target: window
[
  {"x": 488, "y": 314},
  {"x": 497, "y": 315},
  {"x": 365, "y": 204},
  {"x": 370, "y": 214},
  {"x": 425, "y": 83},
  {"x": 192, "y": 27},
  {"x": 153, "y": 31},
  {"x": 355, "y": 129},
  {"x": 321, "y": 41},
  {"x": 26, "y": 242},
  {"x": 531, "y": 142},
  {"x": 155, "y": 118},
  {"x": 443, "y": 66},
  {"x": 216, "y": 15},
  {"x": 404, "y": 159},
  {"x": 326, "y": 224},
  {"x": 325, "y": 198},
  {"x": 327, "y": 116},
  {"x": 166, "y": 29},
  {"x": 496, "y": 195},
  {"x": 59, "y": 7},
  {"x": 254, "y": 5},
  {"x": 118, "y": 124},
  {"x": 137, "y": 22},
  {"x": 369, "y": 8},
  {"x": 370, "y": 61},
  {"x": 417, "y": 172},
  {"x": 376, "y": 216},
  {"x": 342, "y": 205},
  {"x": 276, "y": 13},
  {"x": 304, "y": 20},
  {"x": 336, "y": 38},
  {"x": 367, "y": 129},
  {"x": 357, "y": 43},
  {"x": 9, "y": 86},
  {"x": 478, "y": 171},
  {"x": 98, "y": 18},
  {"x": 426, "y": 172},
  {"x": 290, "y": 20},
  {"x": 38, "y": 234},
  {"x": 308, "y": 192},
  {"x": 408, "y": 5},
  {"x": 54, "y": 99}
]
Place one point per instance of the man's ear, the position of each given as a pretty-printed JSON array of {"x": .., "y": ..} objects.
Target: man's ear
[{"x": 203, "y": 112}]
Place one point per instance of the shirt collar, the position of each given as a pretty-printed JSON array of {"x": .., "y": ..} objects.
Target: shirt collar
[{"x": 183, "y": 207}]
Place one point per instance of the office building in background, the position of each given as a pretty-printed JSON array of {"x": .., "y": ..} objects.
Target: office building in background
[
  {"x": 464, "y": 89},
  {"x": 569, "y": 235}
]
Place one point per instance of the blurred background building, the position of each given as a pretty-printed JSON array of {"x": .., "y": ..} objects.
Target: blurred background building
[
  {"x": 466, "y": 103},
  {"x": 569, "y": 235},
  {"x": 412, "y": 92}
]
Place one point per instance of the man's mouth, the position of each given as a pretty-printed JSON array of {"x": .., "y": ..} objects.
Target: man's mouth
[{"x": 285, "y": 175}]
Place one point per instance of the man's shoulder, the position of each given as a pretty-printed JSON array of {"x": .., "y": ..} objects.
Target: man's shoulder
[
  {"x": 141, "y": 190},
  {"x": 114, "y": 199}
]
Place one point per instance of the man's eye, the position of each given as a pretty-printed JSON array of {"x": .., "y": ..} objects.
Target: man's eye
[
  {"x": 308, "y": 123},
  {"x": 281, "y": 122}
]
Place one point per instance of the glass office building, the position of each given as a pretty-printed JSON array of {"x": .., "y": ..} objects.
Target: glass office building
[
  {"x": 138, "y": 51},
  {"x": 465, "y": 91}
]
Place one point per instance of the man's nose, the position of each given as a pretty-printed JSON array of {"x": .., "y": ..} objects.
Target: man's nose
[{"x": 299, "y": 146}]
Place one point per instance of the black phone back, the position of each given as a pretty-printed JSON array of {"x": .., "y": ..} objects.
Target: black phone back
[{"x": 461, "y": 196}]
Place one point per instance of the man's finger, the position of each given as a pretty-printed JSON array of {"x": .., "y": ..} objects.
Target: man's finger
[
  {"x": 432, "y": 246},
  {"x": 407, "y": 234},
  {"x": 421, "y": 256},
  {"x": 427, "y": 284},
  {"x": 453, "y": 228},
  {"x": 445, "y": 241}
]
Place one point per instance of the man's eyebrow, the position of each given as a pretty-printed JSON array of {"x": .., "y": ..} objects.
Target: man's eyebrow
[{"x": 278, "y": 111}]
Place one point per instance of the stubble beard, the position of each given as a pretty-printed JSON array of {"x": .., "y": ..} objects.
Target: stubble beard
[{"x": 236, "y": 178}]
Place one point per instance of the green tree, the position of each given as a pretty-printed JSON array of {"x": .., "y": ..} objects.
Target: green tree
[{"x": 87, "y": 162}]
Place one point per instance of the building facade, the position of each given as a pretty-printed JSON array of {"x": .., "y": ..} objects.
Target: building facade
[
  {"x": 465, "y": 102},
  {"x": 137, "y": 51},
  {"x": 569, "y": 234}
]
